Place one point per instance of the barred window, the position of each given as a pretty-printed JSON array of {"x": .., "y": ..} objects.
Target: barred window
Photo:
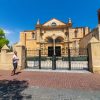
[{"x": 76, "y": 33}]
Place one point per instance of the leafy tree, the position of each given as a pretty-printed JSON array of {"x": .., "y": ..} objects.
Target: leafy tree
[{"x": 3, "y": 39}]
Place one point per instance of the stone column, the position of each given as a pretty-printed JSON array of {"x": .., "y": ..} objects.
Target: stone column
[
  {"x": 21, "y": 55},
  {"x": 3, "y": 55},
  {"x": 94, "y": 55},
  {"x": 5, "y": 59},
  {"x": 38, "y": 31},
  {"x": 65, "y": 49}
]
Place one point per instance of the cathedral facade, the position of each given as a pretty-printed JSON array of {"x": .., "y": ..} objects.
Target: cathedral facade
[{"x": 53, "y": 37}]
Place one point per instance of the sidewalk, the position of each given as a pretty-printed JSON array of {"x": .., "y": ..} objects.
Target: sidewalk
[
  {"x": 57, "y": 70},
  {"x": 43, "y": 85}
]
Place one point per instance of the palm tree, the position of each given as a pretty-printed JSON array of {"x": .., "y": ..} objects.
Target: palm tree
[{"x": 3, "y": 39}]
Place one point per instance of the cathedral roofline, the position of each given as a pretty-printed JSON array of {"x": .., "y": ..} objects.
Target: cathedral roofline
[
  {"x": 52, "y": 19},
  {"x": 80, "y": 27},
  {"x": 29, "y": 31}
]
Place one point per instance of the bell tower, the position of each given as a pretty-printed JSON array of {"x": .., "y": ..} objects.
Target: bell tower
[{"x": 38, "y": 30}]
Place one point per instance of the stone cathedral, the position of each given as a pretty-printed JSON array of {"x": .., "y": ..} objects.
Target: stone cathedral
[{"x": 53, "y": 35}]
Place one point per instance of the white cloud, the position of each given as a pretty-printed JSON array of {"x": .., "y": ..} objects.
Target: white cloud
[
  {"x": 8, "y": 32},
  {"x": 12, "y": 35}
]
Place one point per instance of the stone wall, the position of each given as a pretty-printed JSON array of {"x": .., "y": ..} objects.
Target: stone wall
[
  {"x": 6, "y": 58},
  {"x": 85, "y": 41}
]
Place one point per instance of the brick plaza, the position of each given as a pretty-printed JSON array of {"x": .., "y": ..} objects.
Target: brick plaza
[{"x": 62, "y": 80}]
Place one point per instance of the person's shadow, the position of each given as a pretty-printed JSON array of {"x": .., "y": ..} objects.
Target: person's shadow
[
  {"x": 12, "y": 90},
  {"x": 17, "y": 73}
]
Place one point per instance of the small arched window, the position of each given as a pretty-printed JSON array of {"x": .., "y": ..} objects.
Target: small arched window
[
  {"x": 50, "y": 40},
  {"x": 58, "y": 40},
  {"x": 76, "y": 33}
]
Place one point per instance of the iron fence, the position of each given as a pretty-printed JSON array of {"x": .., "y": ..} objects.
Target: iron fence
[{"x": 72, "y": 59}]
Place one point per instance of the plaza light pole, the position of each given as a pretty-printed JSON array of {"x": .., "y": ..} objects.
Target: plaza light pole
[
  {"x": 69, "y": 54},
  {"x": 54, "y": 53}
]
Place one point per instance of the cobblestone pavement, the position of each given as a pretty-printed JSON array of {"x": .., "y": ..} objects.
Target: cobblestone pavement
[{"x": 32, "y": 85}]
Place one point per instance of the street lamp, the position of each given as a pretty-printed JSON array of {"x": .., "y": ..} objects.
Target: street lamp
[
  {"x": 69, "y": 54},
  {"x": 54, "y": 54}
]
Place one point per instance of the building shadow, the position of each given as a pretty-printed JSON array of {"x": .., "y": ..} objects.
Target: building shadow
[{"x": 12, "y": 90}]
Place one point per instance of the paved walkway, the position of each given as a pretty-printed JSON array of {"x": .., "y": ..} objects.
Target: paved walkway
[{"x": 36, "y": 85}]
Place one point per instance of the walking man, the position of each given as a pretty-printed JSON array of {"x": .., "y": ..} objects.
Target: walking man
[{"x": 15, "y": 63}]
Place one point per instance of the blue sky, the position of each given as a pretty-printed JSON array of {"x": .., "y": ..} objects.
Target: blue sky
[{"x": 20, "y": 15}]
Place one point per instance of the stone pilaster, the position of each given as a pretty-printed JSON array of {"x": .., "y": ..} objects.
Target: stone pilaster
[
  {"x": 94, "y": 55},
  {"x": 21, "y": 55}
]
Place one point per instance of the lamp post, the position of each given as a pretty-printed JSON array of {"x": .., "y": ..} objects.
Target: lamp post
[
  {"x": 54, "y": 53},
  {"x": 69, "y": 57}
]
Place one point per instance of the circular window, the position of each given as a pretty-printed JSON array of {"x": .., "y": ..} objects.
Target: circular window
[{"x": 53, "y": 24}]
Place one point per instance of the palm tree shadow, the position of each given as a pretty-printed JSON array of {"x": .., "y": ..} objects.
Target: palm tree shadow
[{"x": 11, "y": 90}]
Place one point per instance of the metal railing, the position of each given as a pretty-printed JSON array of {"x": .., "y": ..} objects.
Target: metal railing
[{"x": 74, "y": 59}]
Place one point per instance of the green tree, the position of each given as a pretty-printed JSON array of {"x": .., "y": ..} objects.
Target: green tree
[{"x": 3, "y": 39}]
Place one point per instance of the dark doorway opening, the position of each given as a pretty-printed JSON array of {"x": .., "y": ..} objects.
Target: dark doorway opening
[{"x": 57, "y": 51}]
